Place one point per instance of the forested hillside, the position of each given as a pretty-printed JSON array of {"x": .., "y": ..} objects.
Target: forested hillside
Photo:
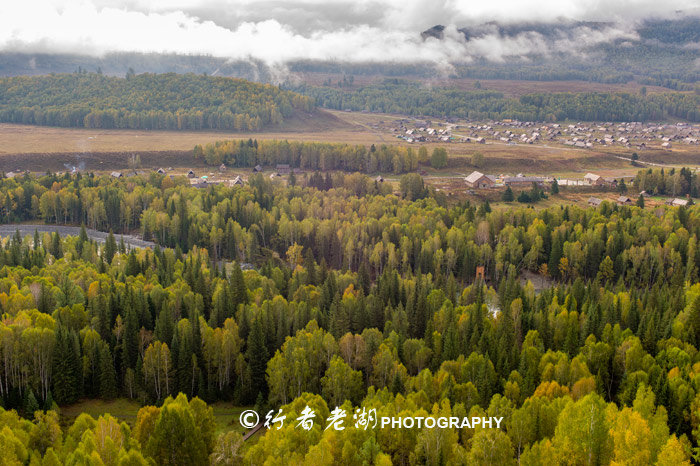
[
  {"x": 146, "y": 101},
  {"x": 358, "y": 298},
  {"x": 406, "y": 97}
]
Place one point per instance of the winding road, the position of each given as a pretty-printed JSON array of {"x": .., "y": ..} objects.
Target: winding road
[{"x": 25, "y": 229}]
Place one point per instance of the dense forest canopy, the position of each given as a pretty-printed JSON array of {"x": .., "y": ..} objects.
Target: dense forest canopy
[
  {"x": 406, "y": 97},
  {"x": 358, "y": 298},
  {"x": 146, "y": 101},
  {"x": 314, "y": 155}
]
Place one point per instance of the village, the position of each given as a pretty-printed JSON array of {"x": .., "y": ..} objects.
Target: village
[
  {"x": 478, "y": 181},
  {"x": 223, "y": 175},
  {"x": 632, "y": 135}
]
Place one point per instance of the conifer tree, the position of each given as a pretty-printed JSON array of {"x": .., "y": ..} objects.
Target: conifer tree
[
  {"x": 108, "y": 376},
  {"x": 110, "y": 248},
  {"x": 67, "y": 371},
  {"x": 257, "y": 356},
  {"x": 238, "y": 286}
]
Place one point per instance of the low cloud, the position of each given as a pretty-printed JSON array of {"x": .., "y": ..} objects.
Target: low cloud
[{"x": 277, "y": 32}]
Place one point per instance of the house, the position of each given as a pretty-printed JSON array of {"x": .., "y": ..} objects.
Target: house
[
  {"x": 479, "y": 180},
  {"x": 257, "y": 169},
  {"x": 222, "y": 167},
  {"x": 160, "y": 171},
  {"x": 624, "y": 200},
  {"x": 283, "y": 169},
  {"x": 379, "y": 179},
  {"x": 523, "y": 180},
  {"x": 666, "y": 145},
  {"x": 190, "y": 174},
  {"x": 644, "y": 194},
  {"x": 677, "y": 202},
  {"x": 594, "y": 201},
  {"x": 116, "y": 174},
  {"x": 593, "y": 179},
  {"x": 237, "y": 181}
]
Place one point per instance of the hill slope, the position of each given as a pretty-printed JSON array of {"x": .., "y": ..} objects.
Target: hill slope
[{"x": 147, "y": 101}]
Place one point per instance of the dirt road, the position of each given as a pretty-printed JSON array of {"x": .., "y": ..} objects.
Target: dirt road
[{"x": 99, "y": 236}]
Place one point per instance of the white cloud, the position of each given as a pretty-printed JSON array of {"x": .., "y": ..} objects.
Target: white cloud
[{"x": 277, "y": 31}]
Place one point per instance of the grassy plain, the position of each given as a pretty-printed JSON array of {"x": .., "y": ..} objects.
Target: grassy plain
[
  {"x": 57, "y": 149},
  {"x": 225, "y": 414}
]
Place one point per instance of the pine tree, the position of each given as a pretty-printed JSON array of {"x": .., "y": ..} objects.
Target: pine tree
[
  {"x": 257, "y": 356},
  {"x": 110, "y": 248},
  {"x": 56, "y": 245},
  {"x": 508, "y": 195},
  {"x": 164, "y": 324},
  {"x": 37, "y": 240},
  {"x": 67, "y": 371},
  {"x": 108, "y": 376},
  {"x": 132, "y": 264},
  {"x": 364, "y": 281},
  {"x": 130, "y": 339},
  {"x": 49, "y": 402},
  {"x": 82, "y": 239},
  {"x": 31, "y": 405},
  {"x": 640, "y": 202},
  {"x": 555, "y": 256},
  {"x": 238, "y": 286}
]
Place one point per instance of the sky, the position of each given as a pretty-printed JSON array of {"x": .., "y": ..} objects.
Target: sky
[{"x": 277, "y": 31}]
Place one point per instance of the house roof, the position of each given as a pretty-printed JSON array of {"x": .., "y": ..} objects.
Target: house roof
[
  {"x": 624, "y": 199},
  {"x": 594, "y": 201},
  {"x": 474, "y": 177},
  {"x": 591, "y": 176},
  {"x": 678, "y": 202}
]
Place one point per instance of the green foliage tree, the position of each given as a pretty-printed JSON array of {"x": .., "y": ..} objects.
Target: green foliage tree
[
  {"x": 438, "y": 159},
  {"x": 177, "y": 438},
  {"x": 508, "y": 195}
]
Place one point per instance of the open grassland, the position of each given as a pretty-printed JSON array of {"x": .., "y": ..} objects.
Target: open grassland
[
  {"x": 25, "y": 139},
  {"x": 123, "y": 409},
  {"x": 225, "y": 414}
]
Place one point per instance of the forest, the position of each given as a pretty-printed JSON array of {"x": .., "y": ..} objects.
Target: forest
[
  {"x": 412, "y": 98},
  {"x": 339, "y": 293},
  {"x": 146, "y": 101},
  {"x": 318, "y": 156}
]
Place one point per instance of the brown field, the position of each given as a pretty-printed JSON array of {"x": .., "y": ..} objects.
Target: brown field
[
  {"x": 46, "y": 148},
  {"x": 22, "y": 139},
  {"x": 510, "y": 88}
]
